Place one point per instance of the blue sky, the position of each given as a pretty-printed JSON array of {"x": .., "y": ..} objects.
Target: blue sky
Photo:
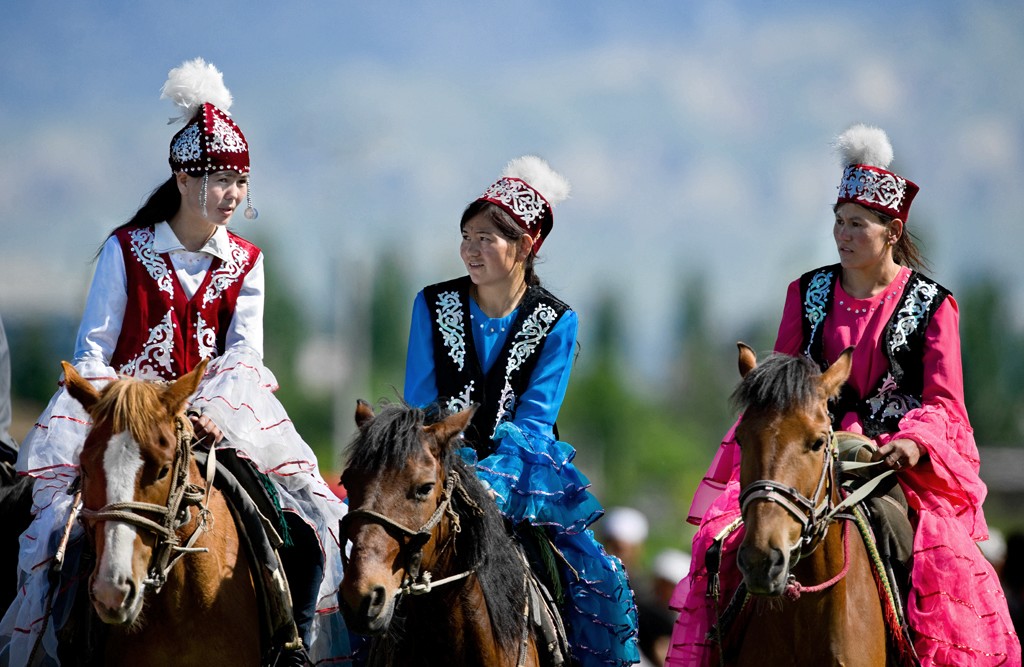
[{"x": 696, "y": 136}]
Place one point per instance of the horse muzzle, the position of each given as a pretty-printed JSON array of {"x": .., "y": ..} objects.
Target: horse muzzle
[
  {"x": 367, "y": 613},
  {"x": 117, "y": 601},
  {"x": 765, "y": 570}
]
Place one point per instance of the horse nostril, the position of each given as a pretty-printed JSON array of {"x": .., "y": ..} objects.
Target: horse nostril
[{"x": 378, "y": 596}]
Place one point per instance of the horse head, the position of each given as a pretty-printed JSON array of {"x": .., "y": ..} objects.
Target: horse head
[
  {"x": 127, "y": 477},
  {"x": 786, "y": 473},
  {"x": 399, "y": 482}
]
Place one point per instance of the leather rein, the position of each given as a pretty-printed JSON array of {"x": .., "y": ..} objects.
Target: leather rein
[
  {"x": 164, "y": 521},
  {"x": 415, "y": 581}
]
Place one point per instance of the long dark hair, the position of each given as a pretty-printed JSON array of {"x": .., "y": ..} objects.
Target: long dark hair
[
  {"x": 160, "y": 206},
  {"x": 507, "y": 227}
]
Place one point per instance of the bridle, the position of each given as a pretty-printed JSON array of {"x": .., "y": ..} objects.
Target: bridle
[
  {"x": 415, "y": 582},
  {"x": 164, "y": 521},
  {"x": 814, "y": 516}
]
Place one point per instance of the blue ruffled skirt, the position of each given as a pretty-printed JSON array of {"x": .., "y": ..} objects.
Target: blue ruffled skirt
[{"x": 534, "y": 481}]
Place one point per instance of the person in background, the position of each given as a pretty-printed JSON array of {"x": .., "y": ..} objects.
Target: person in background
[{"x": 8, "y": 446}]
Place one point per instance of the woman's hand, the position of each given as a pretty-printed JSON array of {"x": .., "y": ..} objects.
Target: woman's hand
[
  {"x": 899, "y": 454},
  {"x": 205, "y": 428}
]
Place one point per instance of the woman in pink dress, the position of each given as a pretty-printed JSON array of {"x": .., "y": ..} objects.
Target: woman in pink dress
[{"x": 906, "y": 394}]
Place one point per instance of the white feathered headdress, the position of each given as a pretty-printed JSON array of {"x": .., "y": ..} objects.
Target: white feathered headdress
[
  {"x": 527, "y": 190},
  {"x": 194, "y": 83},
  {"x": 539, "y": 175},
  {"x": 864, "y": 144},
  {"x": 866, "y": 154}
]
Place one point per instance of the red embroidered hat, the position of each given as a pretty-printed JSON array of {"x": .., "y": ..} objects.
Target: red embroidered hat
[
  {"x": 210, "y": 140},
  {"x": 527, "y": 190},
  {"x": 866, "y": 154}
]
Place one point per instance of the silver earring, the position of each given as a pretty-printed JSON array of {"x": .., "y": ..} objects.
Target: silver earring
[
  {"x": 250, "y": 211},
  {"x": 202, "y": 195}
]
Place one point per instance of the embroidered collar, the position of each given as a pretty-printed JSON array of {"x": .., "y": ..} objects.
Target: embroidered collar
[{"x": 218, "y": 245}]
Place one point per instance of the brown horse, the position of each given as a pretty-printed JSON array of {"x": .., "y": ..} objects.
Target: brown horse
[
  {"x": 170, "y": 577},
  {"x": 432, "y": 574},
  {"x": 814, "y": 599}
]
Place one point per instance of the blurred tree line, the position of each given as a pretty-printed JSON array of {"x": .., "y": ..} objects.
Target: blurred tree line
[{"x": 641, "y": 444}]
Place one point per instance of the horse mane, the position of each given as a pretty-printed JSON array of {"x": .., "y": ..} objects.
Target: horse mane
[
  {"x": 778, "y": 382},
  {"x": 129, "y": 405},
  {"x": 484, "y": 544}
]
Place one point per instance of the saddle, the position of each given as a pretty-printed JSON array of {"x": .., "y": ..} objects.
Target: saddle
[{"x": 892, "y": 534}]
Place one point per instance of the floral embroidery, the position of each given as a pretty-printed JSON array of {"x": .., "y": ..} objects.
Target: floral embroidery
[
  {"x": 142, "y": 248},
  {"x": 814, "y": 303},
  {"x": 914, "y": 308},
  {"x": 873, "y": 187},
  {"x": 463, "y": 400},
  {"x": 506, "y": 404},
  {"x": 226, "y": 139},
  {"x": 524, "y": 202},
  {"x": 228, "y": 272},
  {"x": 449, "y": 322},
  {"x": 206, "y": 339},
  {"x": 186, "y": 148},
  {"x": 534, "y": 329},
  {"x": 156, "y": 353}
]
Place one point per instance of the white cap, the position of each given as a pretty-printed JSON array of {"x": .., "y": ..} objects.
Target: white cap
[
  {"x": 625, "y": 524},
  {"x": 671, "y": 565}
]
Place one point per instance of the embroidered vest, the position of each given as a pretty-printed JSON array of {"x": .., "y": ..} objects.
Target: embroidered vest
[
  {"x": 460, "y": 377},
  {"x": 901, "y": 388},
  {"x": 164, "y": 334}
]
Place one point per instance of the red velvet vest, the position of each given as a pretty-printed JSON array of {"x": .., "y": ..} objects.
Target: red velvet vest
[{"x": 164, "y": 334}]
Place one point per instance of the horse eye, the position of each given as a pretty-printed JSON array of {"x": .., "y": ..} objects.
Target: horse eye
[
  {"x": 423, "y": 490},
  {"x": 164, "y": 471},
  {"x": 818, "y": 444}
]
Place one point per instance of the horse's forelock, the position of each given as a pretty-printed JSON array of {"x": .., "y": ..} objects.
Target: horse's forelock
[
  {"x": 388, "y": 440},
  {"x": 778, "y": 383},
  {"x": 130, "y": 405}
]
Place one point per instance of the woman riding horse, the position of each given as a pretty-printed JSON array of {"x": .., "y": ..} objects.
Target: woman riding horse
[
  {"x": 905, "y": 393},
  {"x": 172, "y": 287},
  {"x": 497, "y": 338}
]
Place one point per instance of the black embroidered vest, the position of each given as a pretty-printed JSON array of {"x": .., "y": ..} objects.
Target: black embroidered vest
[
  {"x": 460, "y": 377},
  {"x": 899, "y": 390}
]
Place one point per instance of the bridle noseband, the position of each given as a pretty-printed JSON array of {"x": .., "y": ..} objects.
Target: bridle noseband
[
  {"x": 167, "y": 519},
  {"x": 415, "y": 582},
  {"x": 814, "y": 518}
]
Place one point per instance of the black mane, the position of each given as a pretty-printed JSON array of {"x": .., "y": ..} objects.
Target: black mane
[
  {"x": 483, "y": 544},
  {"x": 778, "y": 382}
]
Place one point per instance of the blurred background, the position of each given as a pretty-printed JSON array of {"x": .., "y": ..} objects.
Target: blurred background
[{"x": 696, "y": 135}]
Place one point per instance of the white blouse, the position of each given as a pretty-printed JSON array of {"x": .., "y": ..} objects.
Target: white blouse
[{"x": 108, "y": 294}]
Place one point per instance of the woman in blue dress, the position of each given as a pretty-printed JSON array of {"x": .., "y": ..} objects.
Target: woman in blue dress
[{"x": 498, "y": 339}]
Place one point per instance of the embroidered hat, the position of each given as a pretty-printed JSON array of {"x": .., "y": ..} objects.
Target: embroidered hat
[
  {"x": 210, "y": 140},
  {"x": 527, "y": 190},
  {"x": 866, "y": 154}
]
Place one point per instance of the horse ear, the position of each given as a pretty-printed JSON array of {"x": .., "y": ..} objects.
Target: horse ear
[
  {"x": 835, "y": 377},
  {"x": 449, "y": 427},
  {"x": 176, "y": 396},
  {"x": 79, "y": 388},
  {"x": 364, "y": 413},
  {"x": 747, "y": 360}
]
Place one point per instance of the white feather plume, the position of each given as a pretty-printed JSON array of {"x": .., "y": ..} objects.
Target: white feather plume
[
  {"x": 864, "y": 144},
  {"x": 194, "y": 83},
  {"x": 540, "y": 176}
]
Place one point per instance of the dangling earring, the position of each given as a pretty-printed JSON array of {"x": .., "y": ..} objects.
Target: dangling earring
[
  {"x": 250, "y": 211},
  {"x": 202, "y": 195}
]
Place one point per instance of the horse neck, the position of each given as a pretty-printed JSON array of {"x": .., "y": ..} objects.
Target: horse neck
[{"x": 205, "y": 574}]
